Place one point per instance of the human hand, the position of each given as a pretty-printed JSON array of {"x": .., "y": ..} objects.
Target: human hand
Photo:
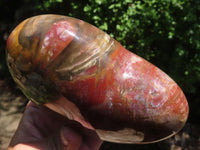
[{"x": 43, "y": 129}]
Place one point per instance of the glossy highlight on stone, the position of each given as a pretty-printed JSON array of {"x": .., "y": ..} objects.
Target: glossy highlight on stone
[{"x": 125, "y": 98}]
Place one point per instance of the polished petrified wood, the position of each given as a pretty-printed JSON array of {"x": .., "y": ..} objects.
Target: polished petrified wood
[{"x": 123, "y": 97}]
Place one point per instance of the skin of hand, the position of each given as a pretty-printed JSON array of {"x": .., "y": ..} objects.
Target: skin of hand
[{"x": 43, "y": 129}]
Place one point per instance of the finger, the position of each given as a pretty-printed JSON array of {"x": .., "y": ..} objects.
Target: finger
[
  {"x": 22, "y": 147},
  {"x": 29, "y": 104},
  {"x": 65, "y": 139}
]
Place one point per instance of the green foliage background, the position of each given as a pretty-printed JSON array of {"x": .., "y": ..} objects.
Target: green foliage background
[{"x": 165, "y": 32}]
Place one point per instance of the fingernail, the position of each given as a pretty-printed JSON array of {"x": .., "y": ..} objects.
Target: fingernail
[{"x": 64, "y": 132}]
